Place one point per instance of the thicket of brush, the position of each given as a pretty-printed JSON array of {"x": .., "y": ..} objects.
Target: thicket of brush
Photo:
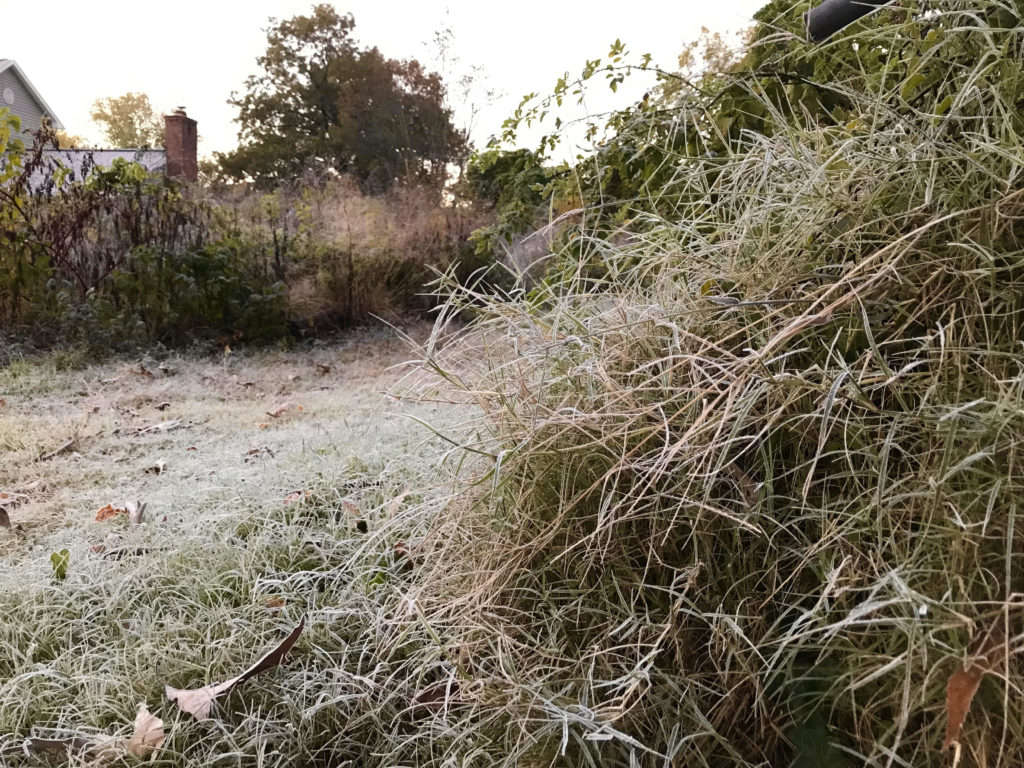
[
  {"x": 744, "y": 490},
  {"x": 120, "y": 259}
]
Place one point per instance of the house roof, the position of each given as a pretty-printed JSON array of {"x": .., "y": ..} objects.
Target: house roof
[{"x": 6, "y": 64}]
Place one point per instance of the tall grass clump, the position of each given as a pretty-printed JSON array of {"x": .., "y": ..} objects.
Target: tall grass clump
[{"x": 754, "y": 458}]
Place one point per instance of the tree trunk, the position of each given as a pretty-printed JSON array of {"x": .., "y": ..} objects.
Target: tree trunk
[{"x": 832, "y": 15}]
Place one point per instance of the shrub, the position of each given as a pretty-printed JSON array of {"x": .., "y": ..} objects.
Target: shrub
[{"x": 753, "y": 485}]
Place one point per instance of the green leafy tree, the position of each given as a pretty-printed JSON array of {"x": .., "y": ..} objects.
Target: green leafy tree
[
  {"x": 322, "y": 102},
  {"x": 128, "y": 121}
]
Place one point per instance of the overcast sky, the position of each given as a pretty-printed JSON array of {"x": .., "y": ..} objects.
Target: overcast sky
[{"x": 196, "y": 52}]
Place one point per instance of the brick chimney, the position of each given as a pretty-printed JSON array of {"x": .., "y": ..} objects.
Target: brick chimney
[{"x": 180, "y": 139}]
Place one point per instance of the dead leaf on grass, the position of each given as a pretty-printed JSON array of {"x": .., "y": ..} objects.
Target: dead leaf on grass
[
  {"x": 199, "y": 701},
  {"x": 144, "y": 371},
  {"x": 276, "y": 412},
  {"x": 163, "y": 406},
  {"x": 12, "y": 498},
  {"x": 157, "y": 468},
  {"x": 5, "y": 519},
  {"x": 275, "y": 604},
  {"x": 38, "y": 746},
  {"x": 438, "y": 696},
  {"x": 66, "y": 445},
  {"x": 163, "y": 426},
  {"x": 295, "y": 496},
  {"x": 396, "y": 503},
  {"x": 984, "y": 658},
  {"x": 149, "y": 733},
  {"x": 147, "y": 737},
  {"x": 109, "y": 511},
  {"x": 323, "y": 369},
  {"x": 135, "y": 510}
]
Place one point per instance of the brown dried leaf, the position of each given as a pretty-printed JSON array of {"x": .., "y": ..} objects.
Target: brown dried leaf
[
  {"x": 964, "y": 682},
  {"x": 70, "y": 744},
  {"x": 295, "y": 496},
  {"x": 163, "y": 406},
  {"x": 198, "y": 701},
  {"x": 135, "y": 510},
  {"x": 109, "y": 511},
  {"x": 323, "y": 369},
  {"x": 163, "y": 426},
  {"x": 275, "y": 604},
  {"x": 5, "y": 519},
  {"x": 438, "y": 696},
  {"x": 278, "y": 411},
  {"x": 65, "y": 446},
  {"x": 396, "y": 503},
  {"x": 149, "y": 733}
]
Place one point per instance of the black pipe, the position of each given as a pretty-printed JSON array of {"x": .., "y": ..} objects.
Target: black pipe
[{"x": 832, "y": 15}]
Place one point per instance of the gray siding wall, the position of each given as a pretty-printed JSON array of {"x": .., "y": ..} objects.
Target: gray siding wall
[{"x": 24, "y": 105}]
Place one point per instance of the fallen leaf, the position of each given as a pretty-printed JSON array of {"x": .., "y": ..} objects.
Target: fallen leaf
[
  {"x": 135, "y": 510},
  {"x": 144, "y": 371},
  {"x": 275, "y": 604},
  {"x": 396, "y": 503},
  {"x": 109, "y": 511},
  {"x": 58, "y": 450},
  {"x": 157, "y": 468},
  {"x": 99, "y": 549},
  {"x": 749, "y": 490},
  {"x": 263, "y": 425},
  {"x": 37, "y": 746},
  {"x": 149, "y": 733},
  {"x": 5, "y": 519},
  {"x": 191, "y": 448},
  {"x": 60, "y": 562},
  {"x": 323, "y": 369},
  {"x": 438, "y": 696},
  {"x": 295, "y": 496},
  {"x": 163, "y": 406},
  {"x": 963, "y": 683},
  {"x": 278, "y": 411},
  {"x": 199, "y": 701},
  {"x": 163, "y": 426}
]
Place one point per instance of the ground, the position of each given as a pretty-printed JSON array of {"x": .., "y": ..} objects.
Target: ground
[{"x": 188, "y": 434}]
